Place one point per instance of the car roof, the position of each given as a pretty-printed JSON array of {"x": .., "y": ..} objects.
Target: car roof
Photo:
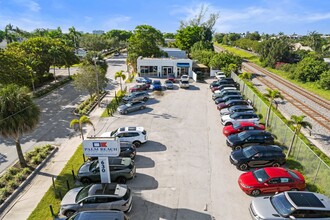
[
  {"x": 308, "y": 200},
  {"x": 156, "y": 81},
  {"x": 131, "y": 128},
  {"x": 247, "y": 123},
  {"x": 275, "y": 172},
  {"x": 245, "y": 113},
  {"x": 236, "y": 100},
  {"x": 257, "y": 132},
  {"x": 110, "y": 189},
  {"x": 263, "y": 148},
  {"x": 241, "y": 107}
]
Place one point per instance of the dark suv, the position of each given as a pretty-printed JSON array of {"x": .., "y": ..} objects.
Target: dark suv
[
  {"x": 227, "y": 98},
  {"x": 247, "y": 138},
  {"x": 258, "y": 156},
  {"x": 136, "y": 97}
]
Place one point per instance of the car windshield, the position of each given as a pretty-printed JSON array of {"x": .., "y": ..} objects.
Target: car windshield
[
  {"x": 282, "y": 205},
  {"x": 94, "y": 165},
  {"x": 293, "y": 174},
  {"x": 260, "y": 175},
  {"x": 236, "y": 125},
  {"x": 83, "y": 193},
  {"x": 243, "y": 135},
  {"x": 249, "y": 152},
  {"x": 129, "y": 104},
  {"x": 156, "y": 82},
  {"x": 113, "y": 133},
  {"x": 234, "y": 115}
]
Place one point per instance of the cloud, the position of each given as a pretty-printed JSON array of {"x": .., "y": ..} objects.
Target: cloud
[
  {"x": 318, "y": 17},
  {"x": 29, "y": 4},
  {"x": 117, "y": 22}
]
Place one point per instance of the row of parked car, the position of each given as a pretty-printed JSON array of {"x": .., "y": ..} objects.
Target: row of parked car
[
  {"x": 81, "y": 202},
  {"x": 253, "y": 147}
]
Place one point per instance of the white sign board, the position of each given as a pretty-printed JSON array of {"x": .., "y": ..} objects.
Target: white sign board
[
  {"x": 101, "y": 148},
  {"x": 104, "y": 170}
]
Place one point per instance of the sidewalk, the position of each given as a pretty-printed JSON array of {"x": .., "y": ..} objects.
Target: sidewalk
[{"x": 27, "y": 200}]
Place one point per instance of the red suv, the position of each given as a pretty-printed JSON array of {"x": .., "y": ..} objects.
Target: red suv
[
  {"x": 238, "y": 127},
  {"x": 139, "y": 87}
]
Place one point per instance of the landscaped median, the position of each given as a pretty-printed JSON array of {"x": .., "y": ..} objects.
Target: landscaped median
[
  {"x": 53, "y": 196},
  {"x": 112, "y": 106}
]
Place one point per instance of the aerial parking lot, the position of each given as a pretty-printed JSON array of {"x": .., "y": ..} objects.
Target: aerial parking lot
[{"x": 183, "y": 170}]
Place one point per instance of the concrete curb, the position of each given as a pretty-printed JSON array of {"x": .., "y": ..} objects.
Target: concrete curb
[{"x": 21, "y": 187}]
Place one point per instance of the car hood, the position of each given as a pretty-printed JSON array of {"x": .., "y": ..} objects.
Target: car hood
[
  {"x": 264, "y": 209},
  {"x": 122, "y": 107},
  {"x": 237, "y": 154},
  {"x": 85, "y": 167},
  {"x": 234, "y": 139},
  {"x": 218, "y": 100},
  {"x": 224, "y": 111},
  {"x": 225, "y": 117},
  {"x": 70, "y": 196},
  {"x": 248, "y": 179},
  {"x": 221, "y": 105},
  {"x": 228, "y": 129}
]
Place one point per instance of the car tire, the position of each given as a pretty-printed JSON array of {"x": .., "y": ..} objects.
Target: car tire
[
  {"x": 137, "y": 144},
  {"x": 125, "y": 112},
  {"x": 121, "y": 180},
  {"x": 255, "y": 192},
  {"x": 69, "y": 213},
  {"x": 86, "y": 181},
  {"x": 145, "y": 99},
  {"x": 228, "y": 123},
  {"x": 243, "y": 166},
  {"x": 276, "y": 164},
  {"x": 237, "y": 147}
]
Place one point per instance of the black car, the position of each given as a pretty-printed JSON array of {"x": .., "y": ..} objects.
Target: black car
[
  {"x": 224, "y": 93},
  {"x": 127, "y": 149},
  {"x": 247, "y": 138},
  {"x": 258, "y": 156},
  {"x": 227, "y": 98},
  {"x": 230, "y": 80}
]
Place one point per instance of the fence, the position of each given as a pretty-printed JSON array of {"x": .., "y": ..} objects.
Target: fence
[{"x": 314, "y": 168}]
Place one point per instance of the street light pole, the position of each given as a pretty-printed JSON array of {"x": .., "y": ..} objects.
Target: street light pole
[{"x": 97, "y": 83}]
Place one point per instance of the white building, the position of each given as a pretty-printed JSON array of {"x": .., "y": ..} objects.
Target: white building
[
  {"x": 161, "y": 67},
  {"x": 175, "y": 52}
]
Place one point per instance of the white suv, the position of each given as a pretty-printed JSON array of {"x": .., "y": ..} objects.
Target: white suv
[
  {"x": 220, "y": 75},
  {"x": 135, "y": 135}
]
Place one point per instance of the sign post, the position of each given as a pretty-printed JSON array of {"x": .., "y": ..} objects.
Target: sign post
[{"x": 103, "y": 149}]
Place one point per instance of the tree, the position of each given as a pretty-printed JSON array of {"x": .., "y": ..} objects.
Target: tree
[
  {"x": 315, "y": 41},
  {"x": 9, "y": 33},
  {"x": 224, "y": 61},
  {"x": 271, "y": 95},
  {"x": 121, "y": 35},
  {"x": 2, "y": 35},
  {"x": 19, "y": 115},
  {"x": 85, "y": 79},
  {"x": 188, "y": 36},
  {"x": 255, "y": 36},
  {"x": 78, "y": 124},
  {"x": 203, "y": 56},
  {"x": 93, "y": 42},
  {"x": 121, "y": 76},
  {"x": 325, "y": 80},
  {"x": 74, "y": 36},
  {"x": 55, "y": 52},
  {"x": 298, "y": 122}
]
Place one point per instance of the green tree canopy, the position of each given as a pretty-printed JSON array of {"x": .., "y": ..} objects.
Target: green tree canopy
[
  {"x": 94, "y": 42},
  {"x": 226, "y": 62},
  {"x": 121, "y": 35},
  {"x": 203, "y": 56},
  {"x": 19, "y": 115}
]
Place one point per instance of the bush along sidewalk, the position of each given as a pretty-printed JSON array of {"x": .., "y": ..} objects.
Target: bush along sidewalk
[
  {"x": 88, "y": 105},
  {"x": 15, "y": 175},
  {"x": 112, "y": 106}
]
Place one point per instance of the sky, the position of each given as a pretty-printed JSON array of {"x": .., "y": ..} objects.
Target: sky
[{"x": 239, "y": 16}]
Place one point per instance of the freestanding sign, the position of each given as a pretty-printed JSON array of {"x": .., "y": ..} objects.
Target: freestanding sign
[{"x": 103, "y": 149}]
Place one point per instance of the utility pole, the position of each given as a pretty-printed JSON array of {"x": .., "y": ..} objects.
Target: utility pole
[{"x": 97, "y": 82}]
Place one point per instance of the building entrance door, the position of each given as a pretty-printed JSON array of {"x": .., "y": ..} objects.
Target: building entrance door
[{"x": 167, "y": 70}]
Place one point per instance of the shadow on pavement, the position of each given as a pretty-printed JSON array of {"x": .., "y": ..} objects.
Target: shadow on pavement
[
  {"x": 143, "y": 182},
  {"x": 151, "y": 146},
  {"x": 143, "y": 162}
]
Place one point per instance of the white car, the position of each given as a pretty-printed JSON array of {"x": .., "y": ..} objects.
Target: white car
[
  {"x": 236, "y": 108},
  {"x": 240, "y": 116},
  {"x": 226, "y": 88},
  {"x": 135, "y": 135},
  {"x": 184, "y": 78},
  {"x": 220, "y": 75}
]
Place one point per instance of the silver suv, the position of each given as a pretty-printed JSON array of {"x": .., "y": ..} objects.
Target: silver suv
[
  {"x": 136, "y": 97},
  {"x": 135, "y": 135},
  {"x": 291, "y": 205}
]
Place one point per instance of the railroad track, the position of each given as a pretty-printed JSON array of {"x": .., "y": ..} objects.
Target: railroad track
[{"x": 309, "y": 111}]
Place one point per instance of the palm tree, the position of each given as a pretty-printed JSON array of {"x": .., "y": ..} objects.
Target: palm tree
[
  {"x": 298, "y": 122},
  {"x": 271, "y": 95},
  {"x": 18, "y": 115},
  {"x": 78, "y": 124},
  {"x": 121, "y": 76},
  {"x": 74, "y": 35}
]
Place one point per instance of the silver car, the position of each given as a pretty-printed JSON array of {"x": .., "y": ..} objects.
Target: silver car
[
  {"x": 169, "y": 84},
  {"x": 291, "y": 205},
  {"x": 100, "y": 196},
  {"x": 131, "y": 107},
  {"x": 99, "y": 215}
]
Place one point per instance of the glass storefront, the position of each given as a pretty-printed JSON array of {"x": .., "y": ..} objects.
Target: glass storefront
[
  {"x": 183, "y": 71},
  {"x": 148, "y": 71}
]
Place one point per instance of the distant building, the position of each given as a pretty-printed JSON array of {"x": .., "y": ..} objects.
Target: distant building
[
  {"x": 98, "y": 32},
  {"x": 80, "y": 52},
  {"x": 327, "y": 60},
  {"x": 175, "y": 52},
  {"x": 3, "y": 44},
  {"x": 299, "y": 46}
]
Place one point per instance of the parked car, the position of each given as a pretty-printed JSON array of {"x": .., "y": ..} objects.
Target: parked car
[
  {"x": 257, "y": 156},
  {"x": 143, "y": 79},
  {"x": 139, "y": 87},
  {"x": 99, "y": 215},
  {"x": 127, "y": 149},
  {"x": 291, "y": 205},
  {"x": 229, "y": 79},
  {"x": 227, "y": 98},
  {"x": 131, "y": 107},
  {"x": 157, "y": 85},
  {"x": 136, "y": 97},
  {"x": 271, "y": 180},
  {"x": 169, "y": 84},
  {"x": 105, "y": 196},
  {"x": 224, "y": 88},
  {"x": 222, "y": 85},
  {"x": 121, "y": 170},
  {"x": 247, "y": 138},
  {"x": 236, "y": 108},
  {"x": 241, "y": 126},
  {"x": 184, "y": 78},
  {"x": 232, "y": 103},
  {"x": 224, "y": 93},
  {"x": 219, "y": 75},
  {"x": 171, "y": 77},
  {"x": 135, "y": 135},
  {"x": 184, "y": 84},
  {"x": 238, "y": 117}
]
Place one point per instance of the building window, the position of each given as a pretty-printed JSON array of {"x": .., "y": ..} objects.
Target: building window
[{"x": 148, "y": 70}]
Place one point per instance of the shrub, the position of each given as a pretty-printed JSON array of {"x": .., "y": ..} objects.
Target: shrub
[
  {"x": 7, "y": 177},
  {"x": 12, "y": 171},
  {"x": 13, "y": 184},
  {"x": 26, "y": 171},
  {"x": 4, "y": 193},
  {"x": 20, "y": 177},
  {"x": 36, "y": 160}
]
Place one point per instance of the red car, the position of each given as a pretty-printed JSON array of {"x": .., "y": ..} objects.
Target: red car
[
  {"x": 139, "y": 87},
  {"x": 238, "y": 127},
  {"x": 171, "y": 77},
  {"x": 271, "y": 180}
]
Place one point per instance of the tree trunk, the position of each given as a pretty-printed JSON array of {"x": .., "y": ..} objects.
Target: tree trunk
[
  {"x": 121, "y": 88},
  {"x": 69, "y": 70},
  {"x": 268, "y": 113},
  {"x": 20, "y": 155},
  {"x": 291, "y": 144},
  {"x": 82, "y": 133},
  {"x": 54, "y": 71}
]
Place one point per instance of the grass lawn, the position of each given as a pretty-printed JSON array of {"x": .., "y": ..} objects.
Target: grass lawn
[{"x": 42, "y": 211}]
